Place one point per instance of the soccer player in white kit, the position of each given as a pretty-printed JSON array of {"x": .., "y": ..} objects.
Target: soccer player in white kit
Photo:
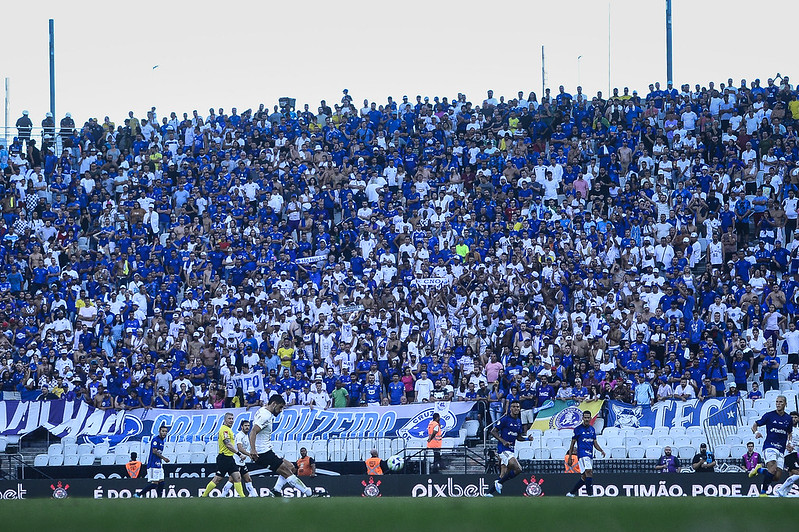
[
  {"x": 242, "y": 443},
  {"x": 261, "y": 445}
]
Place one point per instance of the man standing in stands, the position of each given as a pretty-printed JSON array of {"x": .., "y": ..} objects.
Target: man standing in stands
[
  {"x": 668, "y": 463},
  {"x": 133, "y": 468},
  {"x": 434, "y": 437}
]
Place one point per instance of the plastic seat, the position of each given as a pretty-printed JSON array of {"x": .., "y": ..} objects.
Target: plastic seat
[
  {"x": 660, "y": 431},
  {"x": 472, "y": 427},
  {"x": 681, "y": 441},
  {"x": 541, "y": 453},
  {"x": 761, "y": 405},
  {"x": 631, "y": 441},
  {"x": 183, "y": 458},
  {"x": 722, "y": 451},
  {"x": 55, "y": 449},
  {"x": 3, "y": 444},
  {"x": 616, "y": 441},
  {"x": 733, "y": 439},
  {"x": 182, "y": 447},
  {"x": 527, "y": 453},
  {"x": 697, "y": 441},
  {"x": 636, "y": 452},
  {"x": 649, "y": 441},
  {"x": 677, "y": 431},
  {"x": 665, "y": 440},
  {"x": 336, "y": 450},
  {"x": 56, "y": 460},
  {"x": 611, "y": 431},
  {"x": 211, "y": 447},
  {"x": 319, "y": 450},
  {"x": 558, "y": 453},
  {"x": 71, "y": 449},
  {"x": 101, "y": 449},
  {"x": 397, "y": 445},
  {"x": 69, "y": 440},
  {"x": 694, "y": 431},
  {"x": 121, "y": 459},
  {"x": 566, "y": 433},
  {"x": 41, "y": 460},
  {"x": 643, "y": 431},
  {"x": 135, "y": 447},
  {"x": 198, "y": 458},
  {"x": 654, "y": 452},
  {"x": 618, "y": 453},
  {"x": 686, "y": 452},
  {"x": 85, "y": 448},
  {"x": 737, "y": 451},
  {"x": 121, "y": 449},
  {"x": 71, "y": 460},
  {"x": 210, "y": 458},
  {"x": 86, "y": 459},
  {"x": 197, "y": 447}
]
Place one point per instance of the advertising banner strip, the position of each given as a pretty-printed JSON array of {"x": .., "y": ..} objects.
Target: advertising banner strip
[
  {"x": 671, "y": 413},
  {"x": 62, "y": 418}
]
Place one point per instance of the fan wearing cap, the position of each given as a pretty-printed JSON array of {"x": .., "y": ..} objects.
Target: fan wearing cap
[{"x": 703, "y": 461}]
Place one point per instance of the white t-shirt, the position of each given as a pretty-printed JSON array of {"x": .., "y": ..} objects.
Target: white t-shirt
[
  {"x": 244, "y": 440},
  {"x": 263, "y": 440}
]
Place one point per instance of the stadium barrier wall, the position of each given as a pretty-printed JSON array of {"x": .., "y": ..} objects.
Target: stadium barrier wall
[{"x": 632, "y": 485}]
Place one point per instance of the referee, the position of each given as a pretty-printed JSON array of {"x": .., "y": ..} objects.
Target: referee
[{"x": 225, "y": 465}]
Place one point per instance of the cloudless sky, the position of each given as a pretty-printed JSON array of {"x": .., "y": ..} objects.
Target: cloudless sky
[{"x": 241, "y": 53}]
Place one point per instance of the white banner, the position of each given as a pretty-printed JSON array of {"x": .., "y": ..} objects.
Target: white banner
[
  {"x": 430, "y": 282},
  {"x": 310, "y": 260},
  {"x": 245, "y": 381}
]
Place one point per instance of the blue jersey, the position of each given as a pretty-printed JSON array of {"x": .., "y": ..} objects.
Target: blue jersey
[
  {"x": 585, "y": 436},
  {"x": 777, "y": 429},
  {"x": 509, "y": 429},
  {"x": 157, "y": 444}
]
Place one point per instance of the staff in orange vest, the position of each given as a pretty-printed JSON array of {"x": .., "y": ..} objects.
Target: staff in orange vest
[
  {"x": 373, "y": 464},
  {"x": 134, "y": 466},
  {"x": 572, "y": 463},
  {"x": 306, "y": 466},
  {"x": 434, "y": 437}
]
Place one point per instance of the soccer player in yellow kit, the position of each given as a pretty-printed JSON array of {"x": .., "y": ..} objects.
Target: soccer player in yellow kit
[{"x": 225, "y": 465}]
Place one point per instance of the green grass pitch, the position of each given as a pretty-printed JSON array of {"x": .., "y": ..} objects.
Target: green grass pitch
[{"x": 557, "y": 514}]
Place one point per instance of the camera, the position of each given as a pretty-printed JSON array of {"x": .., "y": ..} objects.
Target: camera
[{"x": 709, "y": 456}]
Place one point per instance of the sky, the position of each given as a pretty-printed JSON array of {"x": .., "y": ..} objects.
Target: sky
[{"x": 242, "y": 53}]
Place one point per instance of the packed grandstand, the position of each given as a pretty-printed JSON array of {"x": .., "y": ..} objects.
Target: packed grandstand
[{"x": 633, "y": 248}]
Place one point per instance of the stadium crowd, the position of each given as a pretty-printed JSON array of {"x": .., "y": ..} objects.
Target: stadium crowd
[{"x": 634, "y": 247}]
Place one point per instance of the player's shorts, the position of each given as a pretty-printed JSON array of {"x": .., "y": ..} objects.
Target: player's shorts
[
  {"x": 225, "y": 465},
  {"x": 505, "y": 457},
  {"x": 155, "y": 474},
  {"x": 243, "y": 469},
  {"x": 773, "y": 455},
  {"x": 269, "y": 459},
  {"x": 528, "y": 416},
  {"x": 586, "y": 464},
  {"x": 791, "y": 462}
]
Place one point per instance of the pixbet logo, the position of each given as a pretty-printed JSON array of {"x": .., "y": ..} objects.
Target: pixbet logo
[
  {"x": 18, "y": 493},
  {"x": 450, "y": 489},
  {"x": 533, "y": 487}
]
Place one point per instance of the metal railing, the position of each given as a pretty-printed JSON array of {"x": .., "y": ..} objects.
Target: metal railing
[{"x": 716, "y": 430}]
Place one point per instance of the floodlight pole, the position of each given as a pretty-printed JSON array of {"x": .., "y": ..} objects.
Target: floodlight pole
[
  {"x": 52, "y": 68},
  {"x": 669, "y": 71}
]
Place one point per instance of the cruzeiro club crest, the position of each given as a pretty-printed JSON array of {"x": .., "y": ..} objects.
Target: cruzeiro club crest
[
  {"x": 416, "y": 427},
  {"x": 371, "y": 488},
  {"x": 533, "y": 487},
  {"x": 60, "y": 490},
  {"x": 627, "y": 416}
]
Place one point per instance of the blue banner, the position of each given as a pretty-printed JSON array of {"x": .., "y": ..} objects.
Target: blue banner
[
  {"x": 89, "y": 424},
  {"x": 672, "y": 413}
]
